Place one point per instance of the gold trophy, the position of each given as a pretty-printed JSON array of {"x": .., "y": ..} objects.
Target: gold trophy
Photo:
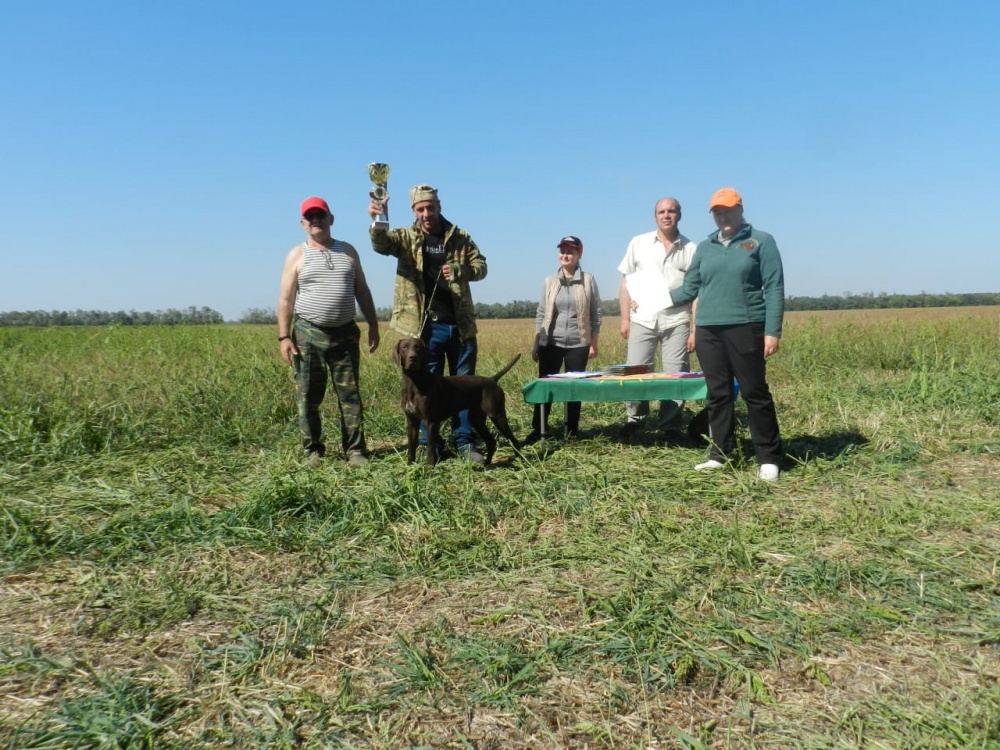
[{"x": 378, "y": 173}]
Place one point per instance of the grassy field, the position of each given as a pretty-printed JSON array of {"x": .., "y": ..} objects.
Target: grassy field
[{"x": 172, "y": 576}]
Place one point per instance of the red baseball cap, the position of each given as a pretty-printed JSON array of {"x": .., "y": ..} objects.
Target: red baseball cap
[
  {"x": 571, "y": 242},
  {"x": 310, "y": 203}
]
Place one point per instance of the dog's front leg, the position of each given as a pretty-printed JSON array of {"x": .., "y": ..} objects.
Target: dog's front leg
[
  {"x": 433, "y": 435},
  {"x": 412, "y": 438}
]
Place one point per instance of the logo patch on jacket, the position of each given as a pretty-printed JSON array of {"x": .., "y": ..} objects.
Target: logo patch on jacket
[{"x": 750, "y": 244}]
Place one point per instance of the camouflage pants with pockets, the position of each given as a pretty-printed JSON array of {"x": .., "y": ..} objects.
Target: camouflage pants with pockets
[{"x": 336, "y": 348}]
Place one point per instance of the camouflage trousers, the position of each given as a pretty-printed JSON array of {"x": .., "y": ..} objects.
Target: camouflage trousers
[{"x": 337, "y": 349}]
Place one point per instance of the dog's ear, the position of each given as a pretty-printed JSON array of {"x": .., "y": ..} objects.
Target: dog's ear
[{"x": 396, "y": 356}]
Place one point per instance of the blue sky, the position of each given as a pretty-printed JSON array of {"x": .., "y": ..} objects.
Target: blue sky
[{"x": 153, "y": 155}]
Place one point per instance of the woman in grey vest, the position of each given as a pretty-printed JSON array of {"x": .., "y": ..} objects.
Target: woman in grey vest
[{"x": 567, "y": 325}]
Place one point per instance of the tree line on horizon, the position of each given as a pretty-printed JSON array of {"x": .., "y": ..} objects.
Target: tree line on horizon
[
  {"x": 170, "y": 317},
  {"x": 518, "y": 309}
]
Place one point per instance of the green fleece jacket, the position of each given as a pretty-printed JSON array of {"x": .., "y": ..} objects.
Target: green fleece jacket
[
  {"x": 409, "y": 299},
  {"x": 738, "y": 283}
]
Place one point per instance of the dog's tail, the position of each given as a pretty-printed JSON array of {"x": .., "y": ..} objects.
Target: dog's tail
[{"x": 505, "y": 369}]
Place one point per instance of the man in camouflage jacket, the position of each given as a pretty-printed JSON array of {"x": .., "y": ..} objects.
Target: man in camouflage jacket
[{"x": 435, "y": 262}]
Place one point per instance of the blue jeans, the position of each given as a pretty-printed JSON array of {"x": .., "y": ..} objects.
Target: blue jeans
[{"x": 443, "y": 341}]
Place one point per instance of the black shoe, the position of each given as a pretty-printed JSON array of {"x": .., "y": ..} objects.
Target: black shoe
[
  {"x": 673, "y": 436},
  {"x": 533, "y": 437},
  {"x": 573, "y": 432},
  {"x": 698, "y": 428},
  {"x": 630, "y": 428}
]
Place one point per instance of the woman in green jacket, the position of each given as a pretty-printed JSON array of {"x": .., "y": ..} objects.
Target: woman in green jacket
[{"x": 737, "y": 277}]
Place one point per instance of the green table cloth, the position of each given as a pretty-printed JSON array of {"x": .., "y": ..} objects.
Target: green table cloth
[{"x": 615, "y": 388}]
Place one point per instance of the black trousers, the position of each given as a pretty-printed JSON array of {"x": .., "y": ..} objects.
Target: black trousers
[
  {"x": 550, "y": 361},
  {"x": 727, "y": 352}
]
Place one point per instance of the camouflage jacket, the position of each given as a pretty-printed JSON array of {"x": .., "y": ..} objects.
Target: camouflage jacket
[{"x": 408, "y": 304}]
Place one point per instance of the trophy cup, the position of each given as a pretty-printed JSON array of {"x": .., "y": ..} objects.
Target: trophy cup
[{"x": 378, "y": 173}]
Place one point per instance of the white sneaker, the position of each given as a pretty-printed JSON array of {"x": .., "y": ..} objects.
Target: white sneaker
[
  {"x": 769, "y": 472},
  {"x": 710, "y": 465}
]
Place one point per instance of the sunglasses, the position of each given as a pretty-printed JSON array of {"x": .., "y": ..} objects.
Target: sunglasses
[{"x": 313, "y": 215}]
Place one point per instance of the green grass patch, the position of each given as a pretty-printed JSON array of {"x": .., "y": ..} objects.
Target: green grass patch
[{"x": 173, "y": 576}]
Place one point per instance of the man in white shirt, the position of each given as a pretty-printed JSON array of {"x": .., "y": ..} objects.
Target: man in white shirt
[{"x": 654, "y": 263}]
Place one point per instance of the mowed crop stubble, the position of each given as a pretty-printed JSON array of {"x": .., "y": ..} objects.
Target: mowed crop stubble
[{"x": 173, "y": 576}]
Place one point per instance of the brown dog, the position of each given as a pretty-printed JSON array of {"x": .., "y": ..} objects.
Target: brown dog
[{"x": 432, "y": 398}]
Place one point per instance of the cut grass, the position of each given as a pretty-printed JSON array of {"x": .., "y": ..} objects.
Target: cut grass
[{"x": 174, "y": 577}]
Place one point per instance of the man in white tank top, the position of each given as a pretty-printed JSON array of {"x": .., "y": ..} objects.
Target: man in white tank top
[{"x": 320, "y": 283}]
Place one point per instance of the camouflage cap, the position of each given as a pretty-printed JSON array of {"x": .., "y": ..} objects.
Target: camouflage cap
[{"x": 422, "y": 193}]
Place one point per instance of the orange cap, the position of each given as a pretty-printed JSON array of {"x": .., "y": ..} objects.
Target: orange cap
[{"x": 725, "y": 198}]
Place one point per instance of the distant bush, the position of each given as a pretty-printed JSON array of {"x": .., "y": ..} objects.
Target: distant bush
[
  {"x": 43, "y": 318},
  {"x": 883, "y": 301},
  {"x": 260, "y": 316}
]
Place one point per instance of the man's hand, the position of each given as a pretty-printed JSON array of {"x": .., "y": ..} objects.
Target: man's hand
[
  {"x": 623, "y": 327},
  {"x": 376, "y": 206},
  {"x": 374, "y": 337},
  {"x": 288, "y": 350},
  {"x": 770, "y": 346}
]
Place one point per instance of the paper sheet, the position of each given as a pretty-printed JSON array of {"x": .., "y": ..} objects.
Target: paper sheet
[{"x": 648, "y": 291}]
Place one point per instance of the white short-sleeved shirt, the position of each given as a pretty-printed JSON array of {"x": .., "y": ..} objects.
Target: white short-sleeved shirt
[{"x": 646, "y": 254}]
